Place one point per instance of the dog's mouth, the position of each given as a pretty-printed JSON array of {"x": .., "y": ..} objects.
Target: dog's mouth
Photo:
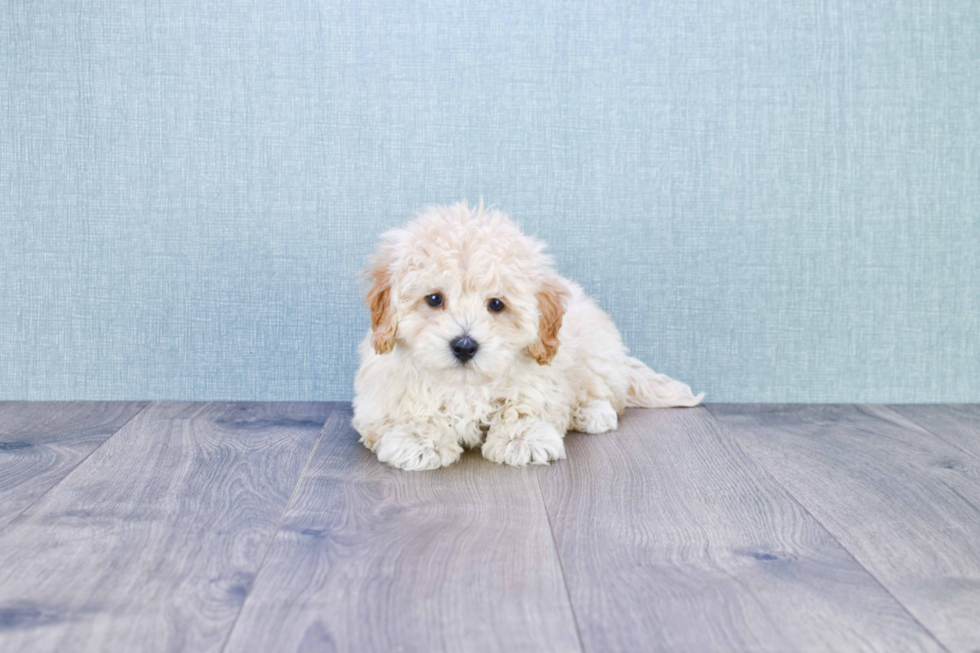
[{"x": 469, "y": 373}]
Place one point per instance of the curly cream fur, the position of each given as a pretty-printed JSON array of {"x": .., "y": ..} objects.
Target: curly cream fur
[{"x": 550, "y": 362}]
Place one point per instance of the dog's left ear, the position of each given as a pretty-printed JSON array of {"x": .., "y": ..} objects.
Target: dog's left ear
[
  {"x": 552, "y": 299},
  {"x": 378, "y": 300}
]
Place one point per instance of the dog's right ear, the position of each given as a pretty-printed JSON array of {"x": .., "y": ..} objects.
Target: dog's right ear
[{"x": 378, "y": 299}]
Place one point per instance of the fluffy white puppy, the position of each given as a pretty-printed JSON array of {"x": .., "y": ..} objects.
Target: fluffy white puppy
[{"x": 475, "y": 340}]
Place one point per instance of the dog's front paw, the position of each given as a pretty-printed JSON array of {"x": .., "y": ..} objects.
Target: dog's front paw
[
  {"x": 406, "y": 449},
  {"x": 597, "y": 416},
  {"x": 519, "y": 444}
]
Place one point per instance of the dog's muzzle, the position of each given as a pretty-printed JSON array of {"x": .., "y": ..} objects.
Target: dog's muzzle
[{"x": 464, "y": 348}]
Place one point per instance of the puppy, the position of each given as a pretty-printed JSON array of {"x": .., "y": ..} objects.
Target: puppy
[{"x": 476, "y": 341}]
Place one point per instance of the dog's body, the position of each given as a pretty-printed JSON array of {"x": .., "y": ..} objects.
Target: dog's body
[{"x": 476, "y": 340}]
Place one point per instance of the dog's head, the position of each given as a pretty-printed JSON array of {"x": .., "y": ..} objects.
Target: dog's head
[{"x": 464, "y": 292}]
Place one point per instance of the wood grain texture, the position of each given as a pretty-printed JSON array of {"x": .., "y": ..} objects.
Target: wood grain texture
[
  {"x": 151, "y": 544},
  {"x": 41, "y": 442},
  {"x": 671, "y": 539},
  {"x": 957, "y": 424},
  {"x": 905, "y": 503},
  {"x": 371, "y": 558}
]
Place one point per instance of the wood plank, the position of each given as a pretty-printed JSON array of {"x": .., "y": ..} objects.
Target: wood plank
[
  {"x": 41, "y": 442},
  {"x": 672, "y": 539},
  {"x": 151, "y": 544},
  {"x": 958, "y": 424},
  {"x": 905, "y": 503},
  {"x": 371, "y": 558}
]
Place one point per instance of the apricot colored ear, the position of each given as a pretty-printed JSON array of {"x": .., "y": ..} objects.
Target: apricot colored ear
[
  {"x": 551, "y": 305},
  {"x": 378, "y": 299}
]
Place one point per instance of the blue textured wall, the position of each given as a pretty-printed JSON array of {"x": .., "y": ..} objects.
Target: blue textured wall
[{"x": 777, "y": 201}]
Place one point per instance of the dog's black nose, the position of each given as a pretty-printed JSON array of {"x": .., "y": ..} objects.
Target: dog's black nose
[{"x": 464, "y": 347}]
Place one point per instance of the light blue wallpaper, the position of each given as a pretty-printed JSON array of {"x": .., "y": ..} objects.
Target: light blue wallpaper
[{"x": 777, "y": 201}]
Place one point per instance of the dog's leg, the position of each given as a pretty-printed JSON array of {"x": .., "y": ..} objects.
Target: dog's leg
[
  {"x": 418, "y": 447},
  {"x": 523, "y": 441},
  {"x": 596, "y": 416}
]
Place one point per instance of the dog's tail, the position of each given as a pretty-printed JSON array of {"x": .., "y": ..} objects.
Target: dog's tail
[{"x": 649, "y": 389}]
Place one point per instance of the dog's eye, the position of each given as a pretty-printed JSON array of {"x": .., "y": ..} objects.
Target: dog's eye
[
  {"x": 495, "y": 305},
  {"x": 434, "y": 300}
]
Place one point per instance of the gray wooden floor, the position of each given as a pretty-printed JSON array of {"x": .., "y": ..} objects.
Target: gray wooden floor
[{"x": 266, "y": 527}]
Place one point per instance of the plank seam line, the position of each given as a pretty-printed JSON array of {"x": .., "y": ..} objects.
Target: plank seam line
[
  {"x": 275, "y": 533},
  {"x": 561, "y": 566},
  {"x": 77, "y": 465},
  {"x": 928, "y": 430},
  {"x": 731, "y": 434}
]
